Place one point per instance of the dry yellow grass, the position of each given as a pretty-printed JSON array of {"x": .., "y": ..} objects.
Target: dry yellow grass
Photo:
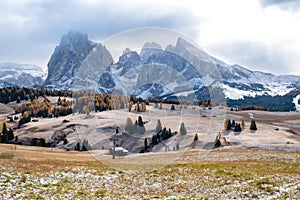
[{"x": 39, "y": 173}]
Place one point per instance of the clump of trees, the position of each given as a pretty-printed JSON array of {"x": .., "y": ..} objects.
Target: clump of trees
[
  {"x": 44, "y": 109},
  {"x": 205, "y": 103},
  {"x": 24, "y": 119},
  {"x": 83, "y": 146},
  {"x": 18, "y": 94},
  {"x": 158, "y": 126},
  {"x": 238, "y": 127},
  {"x": 139, "y": 107},
  {"x": 6, "y": 134},
  {"x": 164, "y": 134},
  {"x": 135, "y": 128},
  {"x": 161, "y": 133}
]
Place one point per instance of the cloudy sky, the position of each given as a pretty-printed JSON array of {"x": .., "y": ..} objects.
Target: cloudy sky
[{"x": 258, "y": 34}]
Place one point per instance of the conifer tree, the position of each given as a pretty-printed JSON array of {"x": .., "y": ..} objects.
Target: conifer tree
[
  {"x": 140, "y": 121},
  {"x": 85, "y": 145},
  {"x": 77, "y": 147},
  {"x": 158, "y": 126},
  {"x": 146, "y": 143},
  {"x": 196, "y": 137},
  {"x": 182, "y": 129},
  {"x": 233, "y": 123},
  {"x": 10, "y": 134},
  {"x": 173, "y": 107},
  {"x": 228, "y": 125},
  {"x": 164, "y": 134},
  {"x": 129, "y": 126},
  {"x": 253, "y": 126},
  {"x": 4, "y": 129},
  {"x": 237, "y": 128}
]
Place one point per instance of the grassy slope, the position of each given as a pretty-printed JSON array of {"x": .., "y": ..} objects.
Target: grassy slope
[{"x": 31, "y": 172}]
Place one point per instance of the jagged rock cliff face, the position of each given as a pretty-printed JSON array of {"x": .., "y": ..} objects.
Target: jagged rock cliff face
[
  {"x": 180, "y": 70},
  {"x": 161, "y": 72},
  {"x": 67, "y": 58}
]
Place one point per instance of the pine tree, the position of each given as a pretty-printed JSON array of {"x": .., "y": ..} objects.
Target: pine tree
[
  {"x": 66, "y": 141},
  {"x": 164, "y": 133},
  {"x": 18, "y": 99},
  {"x": 85, "y": 145},
  {"x": 154, "y": 139},
  {"x": 77, "y": 147},
  {"x": 196, "y": 137},
  {"x": 182, "y": 129},
  {"x": 146, "y": 143},
  {"x": 140, "y": 122},
  {"x": 158, "y": 126},
  {"x": 4, "y": 129},
  {"x": 138, "y": 109},
  {"x": 59, "y": 101},
  {"x": 253, "y": 126},
  {"x": 129, "y": 126},
  {"x": 10, "y": 134},
  {"x": 233, "y": 123},
  {"x": 237, "y": 128},
  {"x": 228, "y": 125},
  {"x": 173, "y": 107},
  {"x": 177, "y": 146}
]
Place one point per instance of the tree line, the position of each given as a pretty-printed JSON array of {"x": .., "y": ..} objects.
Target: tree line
[
  {"x": 10, "y": 94},
  {"x": 238, "y": 127}
]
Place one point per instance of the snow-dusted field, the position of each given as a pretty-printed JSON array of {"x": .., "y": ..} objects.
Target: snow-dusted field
[
  {"x": 246, "y": 168},
  {"x": 39, "y": 173},
  {"x": 276, "y": 130}
]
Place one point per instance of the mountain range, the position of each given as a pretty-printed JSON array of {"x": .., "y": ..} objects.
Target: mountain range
[
  {"x": 21, "y": 75},
  {"x": 180, "y": 70}
]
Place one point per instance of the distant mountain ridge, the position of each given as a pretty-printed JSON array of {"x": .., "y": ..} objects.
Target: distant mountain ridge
[
  {"x": 21, "y": 75},
  {"x": 180, "y": 70}
]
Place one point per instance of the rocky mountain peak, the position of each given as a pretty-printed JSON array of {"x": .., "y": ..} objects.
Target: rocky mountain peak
[
  {"x": 67, "y": 58},
  {"x": 151, "y": 45}
]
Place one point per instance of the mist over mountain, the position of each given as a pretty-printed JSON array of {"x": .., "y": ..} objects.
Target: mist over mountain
[
  {"x": 181, "y": 70},
  {"x": 67, "y": 58}
]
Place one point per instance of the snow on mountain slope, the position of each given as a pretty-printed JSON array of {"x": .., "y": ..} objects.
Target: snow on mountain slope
[
  {"x": 296, "y": 101},
  {"x": 236, "y": 81},
  {"x": 180, "y": 69},
  {"x": 22, "y": 75},
  {"x": 67, "y": 58}
]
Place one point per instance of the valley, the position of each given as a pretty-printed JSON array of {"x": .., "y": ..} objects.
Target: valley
[
  {"x": 276, "y": 130},
  {"x": 159, "y": 122}
]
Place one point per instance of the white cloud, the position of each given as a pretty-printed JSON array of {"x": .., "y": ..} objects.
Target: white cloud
[
  {"x": 236, "y": 33},
  {"x": 261, "y": 35}
]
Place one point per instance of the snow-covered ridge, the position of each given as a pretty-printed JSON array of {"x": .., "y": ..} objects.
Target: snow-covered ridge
[
  {"x": 179, "y": 69},
  {"x": 18, "y": 69},
  {"x": 236, "y": 81},
  {"x": 22, "y": 75},
  {"x": 295, "y": 101}
]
